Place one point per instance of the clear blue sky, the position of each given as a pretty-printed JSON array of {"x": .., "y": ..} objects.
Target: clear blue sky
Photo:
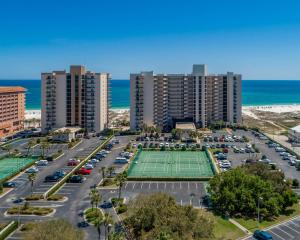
[{"x": 258, "y": 38}]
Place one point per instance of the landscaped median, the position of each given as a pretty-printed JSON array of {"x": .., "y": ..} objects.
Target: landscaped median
[
  {"x": 8, "y": 229},
  {"x": 92, "y": 215},
  {"x": 26, "y": 209},
  {"x": 58, "y": 185}
]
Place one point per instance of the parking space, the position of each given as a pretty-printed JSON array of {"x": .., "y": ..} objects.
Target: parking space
[
  {"x": 185, "y": 193},
  {"x": 286, "y": 231}
]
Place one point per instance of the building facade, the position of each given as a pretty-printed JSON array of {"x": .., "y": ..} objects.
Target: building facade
[
  {"x": 79, "y": 98},
  {"x": 12, "y": 110},
  {"x": 162, "y": 100}
]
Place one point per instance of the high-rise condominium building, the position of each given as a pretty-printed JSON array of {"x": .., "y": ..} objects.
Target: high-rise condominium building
[
  {"x": 162, "y": 100},
  {"x": 12, "y": 110},
  {"x": 79, "y": 98}
]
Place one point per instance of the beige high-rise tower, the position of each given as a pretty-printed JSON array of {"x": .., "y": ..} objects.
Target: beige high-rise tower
[
  {"x": 79, "y": 98},
  {"x": 162, "y": 100}
]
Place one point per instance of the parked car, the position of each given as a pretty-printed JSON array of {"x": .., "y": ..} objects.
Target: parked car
[
  {"x": 89, "y": 166},
  {"x": 9, "y": 184},
  {"x": 60, "y": 173},
  {"x": 106, "y": 205},
  {"x": 18, "y": 200},
  {"x": 32, "y": 170},
  {"x": 51, "y": 178},
  {"x": 42, "y": 163},
  {"x": 73, "y": 162},
  {"x": 83, "y": 224},
  {"x": 83, "y": 171},
  {"x": 262, "y": 235},
  {"x": 76, "y": 179}
]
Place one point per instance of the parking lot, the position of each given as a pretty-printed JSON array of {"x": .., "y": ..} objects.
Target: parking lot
[
  {"x": 286, "y": 231},
  {"x": 185, "y": 193}
]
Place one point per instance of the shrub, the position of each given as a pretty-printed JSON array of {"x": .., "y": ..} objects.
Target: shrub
[
  {"x": 34, "y": 197},
  {"x": 295, "y": 183},
  {"x": 107, "y": 182},
  {"x": 116, "y": 201},
  {"x": 121, "y": 208},
  {"x": 55, "y": 197}
]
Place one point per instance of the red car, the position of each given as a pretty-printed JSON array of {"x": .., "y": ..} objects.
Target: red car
[
  {"x": 225, "y": 150},
  {"x": 83, "y": 171},
  {"x": 73, "y": 163}
]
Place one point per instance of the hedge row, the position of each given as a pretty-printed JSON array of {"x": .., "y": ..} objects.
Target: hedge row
[{"x": 12, "y": 226}]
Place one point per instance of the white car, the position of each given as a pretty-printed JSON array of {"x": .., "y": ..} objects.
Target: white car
[
  {"x": 167, "y": 144},
  {"x": 161, "y": 144},
  {"x": 42, "y": 163},
  {"x": 88, "y": 166},
  {"x": 32, "y": 170}
]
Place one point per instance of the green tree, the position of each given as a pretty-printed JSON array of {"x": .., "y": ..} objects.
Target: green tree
[
  {"x": 53, "y": 230},
  {"x": 7, "y": 148},
  {"x": 30, "y": 144},
  {"x": 44, "y": 146},
  {"x": 110, "y": 170},
  {"x": 102, "y": 172},
  {"x": 158, "y": 216},
  {"x": 95, "y": 197},
  {"x": 107, "y": 220},
  {"x": 121, "y": 179},
  {"x": 98, "y": 223},
  {"x": 31, "y": 178}
]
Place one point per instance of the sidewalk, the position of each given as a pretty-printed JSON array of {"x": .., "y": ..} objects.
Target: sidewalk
[{"x": 283, "y": 140}]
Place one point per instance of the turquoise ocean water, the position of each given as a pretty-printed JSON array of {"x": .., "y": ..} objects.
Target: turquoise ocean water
[{"x": 254, "y": 92}]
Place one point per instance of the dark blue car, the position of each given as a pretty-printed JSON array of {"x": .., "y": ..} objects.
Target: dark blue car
[{"x": 262, "y": 235}]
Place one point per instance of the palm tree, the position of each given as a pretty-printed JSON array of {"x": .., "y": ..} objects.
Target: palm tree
[
  {"x": 98, "y": 223},
  {"x": 31, "y": 178},
  {"x": 7, "y": 148},
  {"x": 30, "y": 144},
  {"x": 102, "y": 171},
  {"x": 110, "y": 170},
  {"x": 107, "y": 221},
  {"x": 44, "y": 146},
  {"x": 95, "y": 197},
  {"x": 120, "y": 179}
]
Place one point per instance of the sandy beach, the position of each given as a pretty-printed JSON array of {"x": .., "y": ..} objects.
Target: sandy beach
[{"x": 36, "y": 114}]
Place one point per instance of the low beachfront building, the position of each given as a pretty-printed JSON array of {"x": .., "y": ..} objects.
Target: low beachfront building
[
  {"x": 12, "y": 110},
  {"x": 294, "y": 134},
  {"x": 65, "y": 134}
]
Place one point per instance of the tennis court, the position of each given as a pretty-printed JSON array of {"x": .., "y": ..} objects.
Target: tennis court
[
  {"x": 171, "y": 164},
  {"x": 10, "y": 166}
]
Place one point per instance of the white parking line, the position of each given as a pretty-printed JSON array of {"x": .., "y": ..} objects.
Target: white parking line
[
  {"x": 296, "y": 224},
  {"x": 285, "y": 232},
  {"x": 181, "y": 202},
  {"x": 126, "y": 185},
  {"x": 191, "y": 202},
  {"x": 196, "y": 185},
  {"x": 180, "y": 185},
  {"x": 142, "y": 185},
  {"x": 199, "y": 203},
  {"x": 157, "y": 185},
  {"x": 276, "y": 235},
  {"x": 149, "y": 185},
  {"x": 188, "y": 185},
  {"x": 133, "y": 186},
  {"x": 292, "y": 229}
]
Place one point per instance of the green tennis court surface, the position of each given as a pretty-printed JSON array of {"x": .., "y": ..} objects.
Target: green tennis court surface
[
  {"x": 10, "y": 166},
  {"x": 170, "y": 164}
]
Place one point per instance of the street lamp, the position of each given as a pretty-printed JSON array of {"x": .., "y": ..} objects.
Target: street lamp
[
  {"x": 109, "y": 226},
  {"x": 258, "y": 200}
]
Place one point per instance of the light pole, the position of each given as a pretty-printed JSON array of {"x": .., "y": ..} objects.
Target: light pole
[
  {"x": 258, "y": 200},
  {"x": 109, "y": 229}
]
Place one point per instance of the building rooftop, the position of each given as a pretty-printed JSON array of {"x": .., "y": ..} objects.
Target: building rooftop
[
  {"x": 12, "y": 89},
  {"x": 70, "y": 129},
  {"x": 185, "y": 126}
]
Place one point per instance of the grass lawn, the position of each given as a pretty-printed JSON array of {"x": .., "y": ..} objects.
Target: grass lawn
[
  {"x": 225, "y": 230},
  {"x": 251, "y": 224}
]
